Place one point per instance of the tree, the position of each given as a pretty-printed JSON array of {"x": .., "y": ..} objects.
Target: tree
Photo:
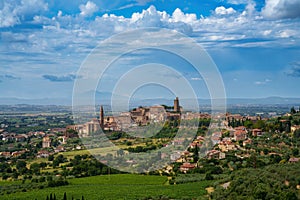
[
  {"x": 35, "y": 168},
  {"x": 21, "y": 166},
  {"x": 196, "y": 154},
  {"x": 297, "y": 134},
  {"x": 208, "y": 176},
  {"x": 43, "y": 165},
  {"x": 259, "y": 124},
  {"x": 50, "y": 158},
  {"x": 120, "y": 152},
  {"x": 293, "y": 111},
  {"x": 295, "y": 152},
  {"x": 248, "y": 123},
  {"x": 65, "y": 196}
]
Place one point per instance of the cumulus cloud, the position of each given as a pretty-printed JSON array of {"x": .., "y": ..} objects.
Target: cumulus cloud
[
  {"x": 154, "y": 18},
  {"x": 88, "y": 9},
  {"x": 179, "y": 16},
  {"x": 280, "y": 9},
  {"x": 226, "y": 27},
  {"x": 64, "y": 78},
  {"x": 149, "y": 17},
  {"x": 14, "y": 12},
  {"x": 224, "y": 11}
]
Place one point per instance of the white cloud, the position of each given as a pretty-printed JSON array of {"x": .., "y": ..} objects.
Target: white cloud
[
  {"x": 179, "y": 16},
  {"x": 279, "y": 9},
  {"x": 287, "y": 33},
  {"x": 7, "y": 17},
  {"x": 250, "y": 8},
  {"x": 196, "y": 79},
  {"x": 88, "y": 9},
  {"x": 31, "y": 7},
  {"x": 153, "y": 18},
  {"x": 262, "y": 82},
  {"x": 14, "y": 12},
  {"x": 143, "y": 2},
  {"x": 224, "y": 11},
  {"x": 237, "y": 2},
  {"x": 228, "y": 28}
]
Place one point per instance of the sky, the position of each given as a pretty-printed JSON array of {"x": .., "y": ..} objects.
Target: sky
[{"x": 255, "y": 44}]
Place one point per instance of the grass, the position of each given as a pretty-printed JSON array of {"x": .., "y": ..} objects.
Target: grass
[
  {"x": 8, "y": 182},
  {"x": 120, "y": 186}
]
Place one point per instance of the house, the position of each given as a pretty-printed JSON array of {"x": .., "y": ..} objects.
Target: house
[
  {"x": 17, "y": 153},
  {"x": 43, "y": 154},
  {"x": 187, "y": 166},
  {"x": 39, "y": 134},
  {"x": 239, "y": 135},
  {"x": 175, "y": 156},
  {"x": 294, "y": 128},
  {"x": 177, "y": 142},
  {"x": 5, "y": 154},
  {"x": 58, "y": 130},
  {"x": 215, "y": 154},
  {"x": 59, "y": 149},
  {"x": 225, "y": 146},
  {"x": 256, "y": 132},
  {"x": 216, "y": 137},
  {"x": 240, "y": 128},
  {"x": 194, "y": 144},
  {"x": 20, "y": 138},
  {"x": 8, "y": 137},
  {"x": 294, "y": 160},
  {"x": 186, "y": 153}
]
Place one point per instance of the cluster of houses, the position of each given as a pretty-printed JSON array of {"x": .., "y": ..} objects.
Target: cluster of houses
[
  {"x": 47, "y": 138},
  {"x": 221, "y": 143}
]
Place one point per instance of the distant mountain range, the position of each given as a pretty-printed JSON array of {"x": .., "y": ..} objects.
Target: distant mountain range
[
  {"x": 43, "y": 101},
  {"x": 104, "y": 98}
]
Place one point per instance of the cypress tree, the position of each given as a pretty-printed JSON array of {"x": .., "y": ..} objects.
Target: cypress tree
[{"x": 65, "y": 196}]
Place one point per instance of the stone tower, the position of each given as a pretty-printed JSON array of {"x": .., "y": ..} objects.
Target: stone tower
[
  {"x": 46, "y": 142},
  {"x": 176, "y": 105}
]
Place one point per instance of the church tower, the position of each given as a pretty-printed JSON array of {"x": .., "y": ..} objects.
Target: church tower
[{"x": 176, "y": 105}]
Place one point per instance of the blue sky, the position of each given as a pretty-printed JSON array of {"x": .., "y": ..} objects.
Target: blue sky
[{"x": 254, "y": 43}]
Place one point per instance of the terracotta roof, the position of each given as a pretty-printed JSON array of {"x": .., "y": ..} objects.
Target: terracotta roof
[
  {"x": 294, "y": 160},
  {"x": 188, "y": 165}
]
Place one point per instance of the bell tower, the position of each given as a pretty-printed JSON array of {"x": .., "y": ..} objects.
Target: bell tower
[{"x": 176, "y": 105}]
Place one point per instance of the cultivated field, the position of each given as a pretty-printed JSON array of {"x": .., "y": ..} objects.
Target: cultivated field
[{"x": 120, "y": 186}]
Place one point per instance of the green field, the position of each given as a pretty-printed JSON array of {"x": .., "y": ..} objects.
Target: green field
[{"x": 120, "y": 186}]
